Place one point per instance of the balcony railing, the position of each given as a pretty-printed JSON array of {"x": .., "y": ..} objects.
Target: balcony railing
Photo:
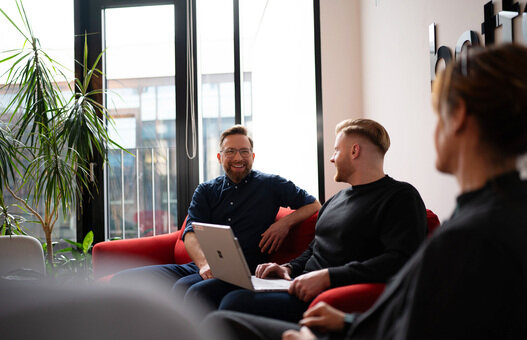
[{"x": 141, "y": 197}]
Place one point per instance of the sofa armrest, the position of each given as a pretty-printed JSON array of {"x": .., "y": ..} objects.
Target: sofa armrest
[
  {"x": 298, "y": 239},
  {"x": 112, "y": 256},
  {"x": 353, "y": 298}
]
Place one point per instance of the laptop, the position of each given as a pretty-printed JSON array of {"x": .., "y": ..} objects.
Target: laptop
[{"x": 226, "y": 259}]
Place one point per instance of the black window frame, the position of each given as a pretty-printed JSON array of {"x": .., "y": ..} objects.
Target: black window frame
[{"x": 88, "y": 19}]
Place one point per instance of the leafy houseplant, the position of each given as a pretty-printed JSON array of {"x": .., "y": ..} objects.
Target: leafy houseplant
[
  {"x": 74, "y": 260},
  {"x": 55, "y": 135}
]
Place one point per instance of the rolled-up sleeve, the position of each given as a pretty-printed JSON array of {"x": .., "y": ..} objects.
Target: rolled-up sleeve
[{"x": 199, "y": 210}]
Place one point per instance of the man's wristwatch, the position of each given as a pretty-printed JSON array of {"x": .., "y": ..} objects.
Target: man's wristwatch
[
  {"x": 288, "y": 265},
  {"x": 349, "y": 318}
]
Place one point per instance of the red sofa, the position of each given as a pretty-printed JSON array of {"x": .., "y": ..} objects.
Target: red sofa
[{"x": 112, "y": 256}]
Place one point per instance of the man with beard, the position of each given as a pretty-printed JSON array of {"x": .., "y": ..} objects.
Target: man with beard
[
  {"x": 243, "y": 198},
  {"x": 364, "y": 233}
]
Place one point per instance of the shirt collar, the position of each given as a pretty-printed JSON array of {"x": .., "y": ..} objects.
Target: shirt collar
[
  {"x": 500, "y": 181},
  {"x": 227, "y": 181},
  {"x": 371, "y": 185}
]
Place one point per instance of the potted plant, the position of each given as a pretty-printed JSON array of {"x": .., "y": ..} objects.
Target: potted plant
[{"x": 55, "y": 135}]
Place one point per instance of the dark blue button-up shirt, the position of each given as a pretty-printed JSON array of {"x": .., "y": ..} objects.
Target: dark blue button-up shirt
[{"x": 249, "y": 207}]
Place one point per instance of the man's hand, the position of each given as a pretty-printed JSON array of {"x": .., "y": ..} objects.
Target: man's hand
[
  {"x": 323, "y": 317},
  {"x": 303, "y": 334},
  {"x": 274, "y": 236},
  {"x": 309, "y": 285},
  {"x": 205, "y": 272},
  {"x": 272, "y": 270},
  {"x": 196, "y": 254}
]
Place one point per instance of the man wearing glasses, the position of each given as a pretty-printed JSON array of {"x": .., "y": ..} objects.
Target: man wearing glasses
[
  {"x": 248, "y": 201},
  {"x": 245, "y": 199}
]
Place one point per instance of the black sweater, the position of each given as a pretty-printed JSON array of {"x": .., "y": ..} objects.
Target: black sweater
[
  {"x": 366, "y": 233},
  {"x": 469, "y": 281}
]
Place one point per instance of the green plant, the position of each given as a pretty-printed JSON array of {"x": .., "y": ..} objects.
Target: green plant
[
  {"x": 10, "y": 224},
  {"x": 54, "y": 136},
  {"x": 75, "y": 259}
]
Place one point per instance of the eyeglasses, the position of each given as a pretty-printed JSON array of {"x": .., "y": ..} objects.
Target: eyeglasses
[{"x": 231, "y": 152}]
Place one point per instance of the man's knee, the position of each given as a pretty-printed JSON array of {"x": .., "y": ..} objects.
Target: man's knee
[{"x": 238, "y": 300}]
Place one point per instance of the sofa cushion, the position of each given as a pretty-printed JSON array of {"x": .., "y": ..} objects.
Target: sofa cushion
[{"x": 113, "y": 256}]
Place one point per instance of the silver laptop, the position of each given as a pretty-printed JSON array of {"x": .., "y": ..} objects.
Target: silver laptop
[{"x": 226, "y": 259}]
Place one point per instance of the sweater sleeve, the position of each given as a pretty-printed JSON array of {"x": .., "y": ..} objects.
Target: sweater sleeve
[
  {"x": 298, "y": 264},
  {"x": 403, "y": 228}
]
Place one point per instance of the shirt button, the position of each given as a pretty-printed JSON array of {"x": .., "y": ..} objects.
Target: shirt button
[
  {"x": 232, "y": 203},
  {"x": 235, "y": 187},
  {"x": 229, "y": 219},
  {"x": 245, "y": 181}
]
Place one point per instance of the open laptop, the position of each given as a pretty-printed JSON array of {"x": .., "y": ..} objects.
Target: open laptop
[{"x": 226, "y": 259}]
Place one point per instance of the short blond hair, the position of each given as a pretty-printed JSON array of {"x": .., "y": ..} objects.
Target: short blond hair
[{"x": 367, "y": 128}]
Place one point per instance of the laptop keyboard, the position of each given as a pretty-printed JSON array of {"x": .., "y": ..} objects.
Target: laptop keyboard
[{"x": 272, "y": 284}]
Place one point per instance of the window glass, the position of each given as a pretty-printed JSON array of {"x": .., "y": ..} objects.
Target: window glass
[
  {"x": 140, "y": 78},
  {"x": 278, "y": 54},
  {"x": 279, "y": 88},
  {"x": 216, "y": 79}
]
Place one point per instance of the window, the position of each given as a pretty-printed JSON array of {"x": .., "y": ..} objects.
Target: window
[
  {"x": 278, "y": 91},
  {"x": 140, "y": 78},
  {"x": 278, "y": 52}
]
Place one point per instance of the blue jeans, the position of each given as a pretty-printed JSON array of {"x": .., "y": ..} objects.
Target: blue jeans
[
  {"x": 276, "y": 305},
  {"x": 170, "y": 278},
  {"x": 178, "y": 279},
  {"x": 210, "y": 291}
]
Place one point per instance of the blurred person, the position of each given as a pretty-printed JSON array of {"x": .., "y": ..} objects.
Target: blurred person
[
  {"x": 469, "y": 280},
  {"x": 364, "y": 233},
  {"x": 55, "y": 310}
]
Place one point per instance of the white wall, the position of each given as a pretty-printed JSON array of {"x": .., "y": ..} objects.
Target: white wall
[
  {"x": 284, "y": 94},
  {"x": 341, "y": 74},
  {"x": 395, "y": 86}
]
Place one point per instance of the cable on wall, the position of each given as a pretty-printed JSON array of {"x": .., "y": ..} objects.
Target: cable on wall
[{"x": 190, "y": 95}]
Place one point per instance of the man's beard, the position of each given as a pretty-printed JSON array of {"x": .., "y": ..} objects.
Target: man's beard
[
  {"x": 338, "y": 178},
  {"x": 236, "y": 177},
  {"x": 341, "y": 176}
]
